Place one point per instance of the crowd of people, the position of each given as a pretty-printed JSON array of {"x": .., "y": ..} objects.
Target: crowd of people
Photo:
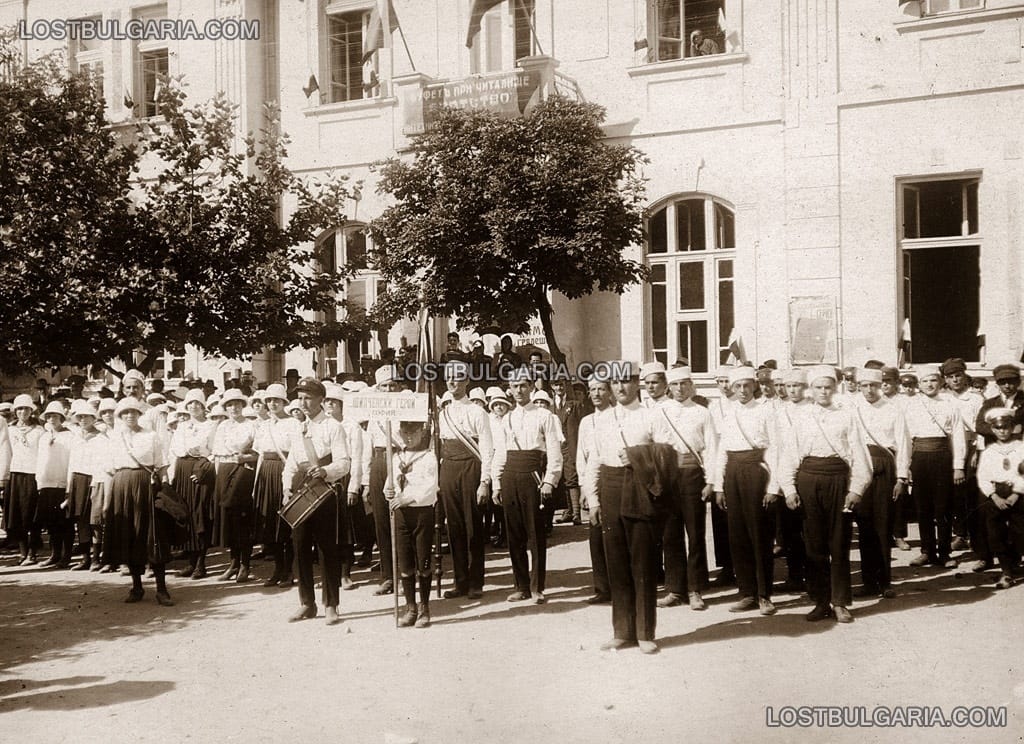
[{"x": 785, "y": 462}]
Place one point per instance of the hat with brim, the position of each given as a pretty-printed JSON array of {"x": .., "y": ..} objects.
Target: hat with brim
[
  {"x": 217, "y": 411},
  {"x": 385, "y": 373},
  {"x": 333, "y": 391},
  {"x": 233, "y": 395},
  {"x": 311, "y": 386},
  {"x": 499, "y": 400},
  {"x": 128, "y": 404},
  {"x": 541, "y": 397},
  {"x": 1004, "y": 372},
  {"x": 55, "y": 407},
  {"x": 106, "y": 404},
  {"x": 477, "y": 394},
  {"x": 998, "y": 413},
  {"x": 195, "y": 395},
  {"x": 276, "y": 391},
  {"x": 23, "y": 401}
]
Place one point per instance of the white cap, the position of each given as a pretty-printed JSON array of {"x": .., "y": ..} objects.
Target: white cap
[
  {"x": 495, "y": 392},
  {"x": 233, "y": 394},
  {"x": 258, "y": 395},
  {"x": 276, "y": 390},
  {"x": 999, "y": 412},
  {"x": 218, "y": 410},
  {"x": 128, "y": 404},
  {"x": 106, "y": 404},
  {"x": 385, "y": 373},
  {"x": 869, "y": 375},
  {"x": 820, "y": 370},
  {"x": 741, "y": 374},
  {"x": 795, "y": 376},
  {"x": 928, "y": 370},
  {"x": 55, "y": 406},
  {"x": 477, "y": 394},
  {"x": 23, "y": 401},
  {"x": 333, "y": 391},
  {"x": 154, "y": 398},
  {"x": 293, "y": 405},
  {"x": 195, "y": 395},
  {"x": 133, "y": 374},
  {"x": 723, "y": 372},
  {"x": 651, "y": 368},
  {"x": 82, "y": 408},
  {"x": 677, "y": 374},
  {"x": 499, "y": 399},
  {"x": 540, "y": 395}
]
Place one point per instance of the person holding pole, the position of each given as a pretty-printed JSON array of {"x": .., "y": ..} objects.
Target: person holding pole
[{"x": 318, "y": 450}]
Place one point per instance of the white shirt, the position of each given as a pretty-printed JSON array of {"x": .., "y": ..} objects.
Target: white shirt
[
  {"x": 321, "y": 436},
  {"x": 528, "y": 427},
  {"x": 474, "y": 423},
  {"x": 24, "y": 448},
  {"x": 231, "y": 439},
  {"x": 415, "y": 477},
  {"x": 998, "y": 463},
  {"x": 882, "y": 423},
  {"x": 52, "y": 458},
  {"x": 5, "y": 451},
  {"x": 938, "y": 416},
  {"x": 192, "y": 434},
  {"x": 672, "y": 422},
  {"x": 143, "y": 445},
  {"x": 825, "y": 432},
  {"x": 744, "y": 426},
  {"x": 617, "y": 427},
  {"x": 586, "y": 451}
]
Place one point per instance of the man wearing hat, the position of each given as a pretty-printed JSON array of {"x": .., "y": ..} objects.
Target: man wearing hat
[
  {"x": 890, "y": 383},
  {"x": 133, "y": 385},
  {"x": 936, "y": 464},
  {"x": 687, "y": 428},
  {"x": 586, "y": 456},
  {"x": 765, "y": 387},
  {"x": 719, "y": 519},
  {"x": 375, "y": 474},
  {"x": 1000, "y": 480},
  {"x": 824, "y": 467},
  {"x": 524, "y": 479},
  {"x": 884, "y": 430},
  {"x": 464, "y": 479},
  {"x": 958, "y": 385},
  {"x": 791, "y": 521},
  {"x": 745, "y": 487},
  {"x": 652, "y": 375},
  {"x": 318, "y": 450},
  {"x": 568, "y": 413},
  {"x": 1007, "y": 379}
]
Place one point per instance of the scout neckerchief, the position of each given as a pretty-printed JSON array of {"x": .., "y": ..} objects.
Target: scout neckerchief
[
  {"x": 817, "y": 419},
  {"x": 467, "y": 442},
  {"x": 404, "y": 466},
  {"x": 682, "y": 439}
]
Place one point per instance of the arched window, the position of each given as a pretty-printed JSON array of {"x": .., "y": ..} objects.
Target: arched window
[
  {"x": 350, "y": 246},
  {"x": 691, "y": 249}
]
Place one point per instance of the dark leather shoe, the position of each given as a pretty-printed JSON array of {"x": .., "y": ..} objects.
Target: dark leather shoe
[
  {"x": 331, "y": 614},
  {"x": 597, "y": 599},
  {"x": 867, "y": 591},
  {"x": 83, "y": 566},
  {"x": 408, "y": 618},
  {"x": 842, "y": 614},
  {"x": 475, "y": 593},
  {"x": 454, "y": 593},
  {"x": 303, "y": 613},
  {"x": 538, "y": 598},
  {"x": 820, "y": 612},
  {"x": 1005, "y": 582},
  {"x": 199, "y": 573},
  {"x": 186, "y": 572},
  {"x": 889, "y": 593},
  {"x": 921, "y": 559},
  {"x": 135, "y": 595},
  {"x": 385, "y": 588},
  {"x": 164, "y": 599},
  {"x": 286, "y": 580},
  {"x": 670, "y": 600}
]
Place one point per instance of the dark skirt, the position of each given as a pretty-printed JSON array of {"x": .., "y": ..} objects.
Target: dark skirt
[
  {"x": 234, "y": 495},
  {"x": 20, "y": 507},
  {"x": 198, "y": 500},
  {"x": 132, "y": 536},
  {"x": 80, "y": 495},
  {"x": 48, "y": 507},
  {"x": 267, "y": 496}
]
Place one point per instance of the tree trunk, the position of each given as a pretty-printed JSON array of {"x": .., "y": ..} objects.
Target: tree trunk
[
  {"x": 544, "y": 311},
  {"x": 146, "y": 365}
]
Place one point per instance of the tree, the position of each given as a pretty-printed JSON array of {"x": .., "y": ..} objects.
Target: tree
[
  {"x": 99, "y": 263},
  {"x": 492, "y": 213}
]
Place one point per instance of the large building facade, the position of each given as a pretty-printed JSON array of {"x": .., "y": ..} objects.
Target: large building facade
[{"x": 826, "y": 179}]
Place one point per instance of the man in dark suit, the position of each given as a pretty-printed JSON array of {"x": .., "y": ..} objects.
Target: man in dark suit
[{"x": 569, "y": 415}]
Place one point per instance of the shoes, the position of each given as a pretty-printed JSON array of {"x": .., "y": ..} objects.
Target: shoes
[
  {"x": 921, "y": 560},
  {"x": 766, "y": 606},
  {"x": 230, "y": 573},
  {"x": 365, "y": 558},
  {"x": 149, "y": 573},
  {"x": 959, "y": 544},
  {"x": 1005, "y": 582},
  {"x": 518, "y": 596},
  {"x": 566, "y": 517},
  {"x": 724, "y": 578},
  {"x": 776, "y": 550},
  {"x": 647, "y": 647},
  {"x": 85, "y": 565},
  {"x": 95, "y": 567},
  {"x": 49, "y": 562},
  {"x": 135, "y": 595},
  {"x": 243, "y": 575},
  {"x": 303, "y": 613},
  {"x": 820, "y": 612},
  {"x": 408, "y": 618},
  {"x": 475, "y": 593},
  {"x": 423, "y": 610},
  {"x": 842, "y": 614},
  {"x": 331, "y": 614},
  {"x": 386, "y": 587},
  {"x": 889, "y": 593},
  {"x": 901, "y": 544},
  {"x": 538, "y": 598},
  {"x": 186, "y": 572},
  {"x": 199, "y": 573},
  {"x": 272, "y": 581},
  {"x": 63, "y": 565},
  {"x": 982, "y": 566},
  {"x": 286, "y": 580},
  {"x": 596, "y": 599},
  {"x": 164, "y": 599},
  {"x": 577, "y": 521},
  {"x": 697, "y": 601},
  {"x": 347, "y": 584},
  {"x": 867, "y": 592},
  {"x": 454, "y": 593},
  {"x": 950, "y": 563},
  {"x": 28, "y": 560},
  {"x": 745, "y": 603},
  {"x": 499, "y": 542},
  {"x": 124, "y": 570},
  {"x": 615, "y": 644},
  {"x": 670, "y": 600},
  {"x": 107, "y": 569}
]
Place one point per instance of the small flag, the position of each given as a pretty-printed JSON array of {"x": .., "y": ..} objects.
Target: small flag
[
  {"x": 476, "y": 15},
  {"x": 311, "y": 87},
  {"x": 382, "y": 15},
  {"x": 737, "y": 354},
  {"x": 129, "y": 102}
]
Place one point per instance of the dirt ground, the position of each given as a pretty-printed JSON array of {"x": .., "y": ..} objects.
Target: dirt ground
[{"x": 223, "y": 665}]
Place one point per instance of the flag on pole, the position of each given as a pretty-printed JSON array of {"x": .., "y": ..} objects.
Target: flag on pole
[
  {"x": 382, "y": 15},
  {"x": 476, "y": 15},
  {"x": 737, "y": 354},
  {"x": 311, "y": 87},
  {"x": 904, "y": 343},
  {"x": 423, "y": 350}
]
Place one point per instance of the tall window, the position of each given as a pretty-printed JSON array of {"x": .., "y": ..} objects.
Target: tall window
[
  {"x": 488, "y": 52},
  {"x": 150, "y": 63},
  {"x": 691, "y": 249},
  {"x": 678, "y": 29},
  {"x": 350, "y": 247},
  {"x": 941, "y": 248},
  {"x": 86, "y": 57},
  {"x": 349, "y": 77},
  {"x": 937, "y": 7},
  {"x": 271, "y": 53}
]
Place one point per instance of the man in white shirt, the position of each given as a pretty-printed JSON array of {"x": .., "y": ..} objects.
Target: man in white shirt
[
  {"x": 958, "y": 387},
  {"x": 791, "y": 521},
  {"x": 318, "y": 450},
  {"x": 586, "y": 454},
  {"x": 652, "y": 375}
]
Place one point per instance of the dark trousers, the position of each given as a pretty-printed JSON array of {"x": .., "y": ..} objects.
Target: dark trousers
[
  {"x": 874, "y": 517},
  {"x": 414, "y": 533},
  {"x": 459, "y": 481},
  {"x": 321, "y": 530},
  {"x": 965, "y": 499},
  {"x": 823, "y": 483},
  {"x": 381, "y": 512},
  {"x": 685, "y": 552},
  {"x": 720, "y": 537},
  {"x": 931, "y": 466},
  {"x": 751, "y": 525},
  {"x": 631, "y": 549},
  {"x": 791, "y": 524},
  {"x": 598, "y": 561},
  {"x": 977, "y": 522},
  {"x": 526, "y": 529},
  {"x": 1005, "y": 533}
]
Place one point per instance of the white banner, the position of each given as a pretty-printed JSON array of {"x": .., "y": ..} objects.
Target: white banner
[{"x": 387, "y": 406}]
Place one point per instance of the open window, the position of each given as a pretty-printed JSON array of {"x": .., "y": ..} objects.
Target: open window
[{"x": 681, "y": 29}]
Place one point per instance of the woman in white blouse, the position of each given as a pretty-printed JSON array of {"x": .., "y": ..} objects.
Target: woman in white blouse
[
  {"x": 236, "y": 474},
  {"x": 192, "y": 447},
  {"x": 133, "y": 532},
  {"x": 23, "y": 495}
]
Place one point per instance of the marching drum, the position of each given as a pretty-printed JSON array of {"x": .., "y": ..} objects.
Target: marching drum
[{"x": 306, "y": 500}]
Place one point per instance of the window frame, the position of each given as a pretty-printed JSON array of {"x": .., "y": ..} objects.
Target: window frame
[
  {"x": 927, "y": 11},
  {"x": 146, "y": 108},
  {"x": 712, "y": 260},
  {"x": 370, "y": 85},
  {"x": 496, "y": 47},
  {"x": 654, "y": 37},
  {"x": 89, "y": 61}
]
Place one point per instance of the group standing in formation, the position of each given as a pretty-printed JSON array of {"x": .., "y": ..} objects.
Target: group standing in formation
[{"x": 787, "y": 462}]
